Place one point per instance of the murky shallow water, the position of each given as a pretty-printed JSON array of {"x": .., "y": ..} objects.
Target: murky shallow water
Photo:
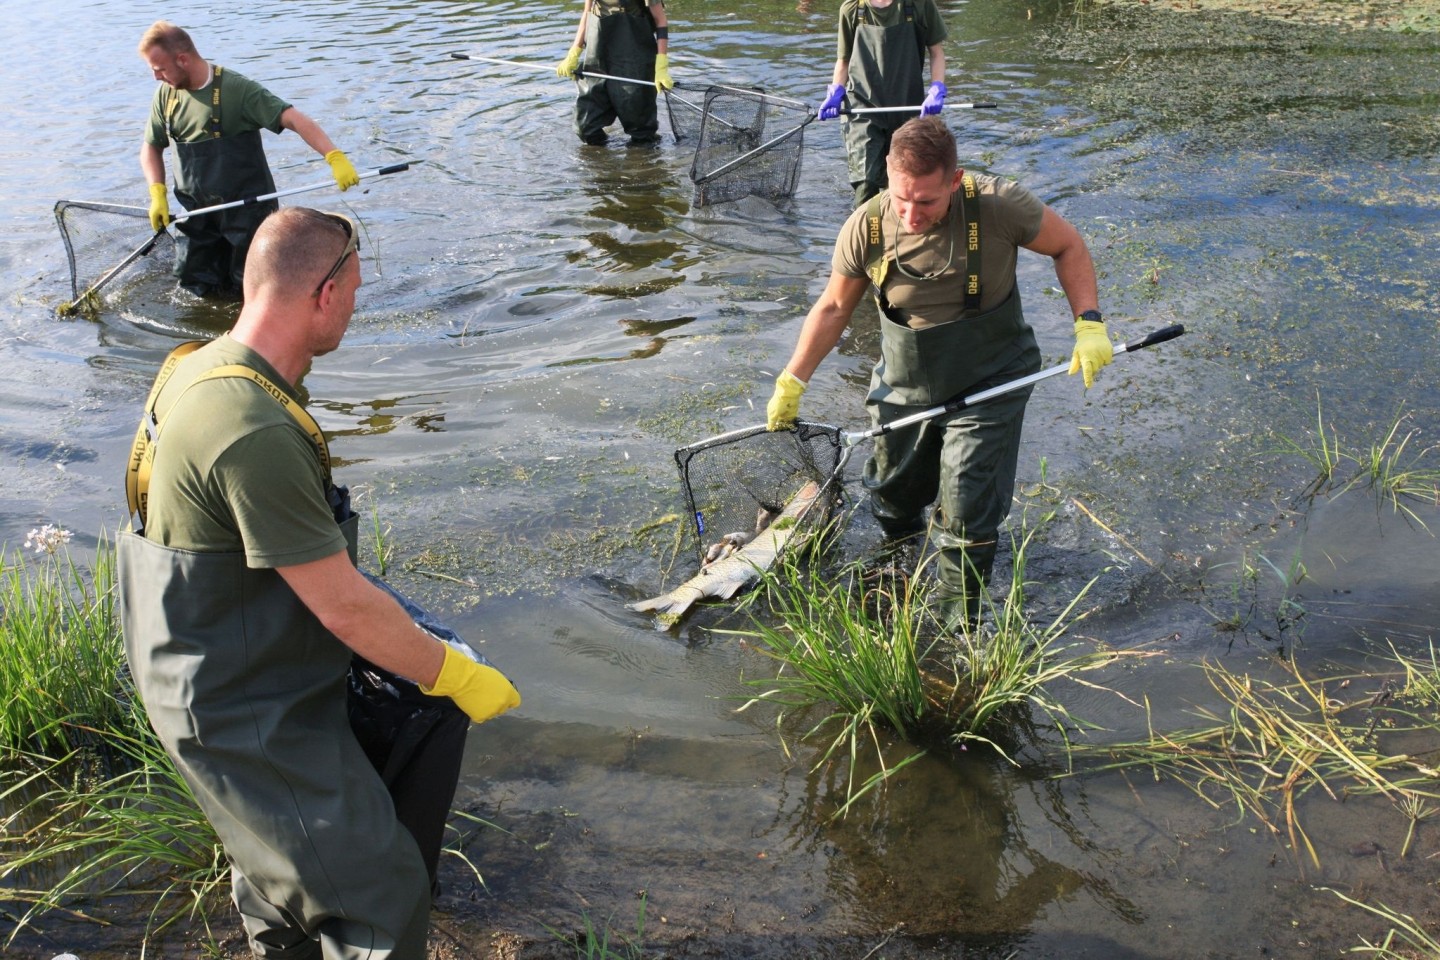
[{"x": 542, "y": 325}]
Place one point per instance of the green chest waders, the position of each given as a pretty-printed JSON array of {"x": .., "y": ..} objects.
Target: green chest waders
[
  {"x": 248, "y": 692},
  {"x": 964, "y": 462},
  {"x": 621, "y": 43},
  {"x": 211, "y": 251},
  {"x": 246, "y": 689},
  {"x": 886, "y": 70}
]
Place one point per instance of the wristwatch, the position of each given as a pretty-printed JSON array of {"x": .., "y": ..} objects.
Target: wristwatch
[{"x": 1091, "y": 316}]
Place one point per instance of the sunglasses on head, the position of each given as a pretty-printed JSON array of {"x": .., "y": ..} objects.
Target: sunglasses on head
[{"x": 352, "y": 245}]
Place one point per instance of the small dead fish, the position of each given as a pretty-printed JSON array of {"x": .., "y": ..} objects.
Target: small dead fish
[
  {"x": 742, "y": 569},
  {"x": 725, "y": 546}
]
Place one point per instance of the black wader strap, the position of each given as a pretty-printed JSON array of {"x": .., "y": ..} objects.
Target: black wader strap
[
  {"x": 142, "y": 453},
  {"x": 877, "y": 264},
  {"x": 970, "y": 213},
  {"x": 172, "y": 103}
]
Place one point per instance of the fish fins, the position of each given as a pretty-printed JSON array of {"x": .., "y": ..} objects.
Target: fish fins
[{"x": 668, "y": 604}]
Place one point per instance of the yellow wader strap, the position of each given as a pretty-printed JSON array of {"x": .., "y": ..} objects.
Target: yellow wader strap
[{"x": 142, "y": 453}]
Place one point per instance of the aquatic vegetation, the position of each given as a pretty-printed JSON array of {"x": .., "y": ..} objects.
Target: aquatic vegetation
[
  {"x": 595, "y": 943},
  {"x": 1406, "y": 939},
  {"x": 1392, "y": 467},
  {"x": 82, "y": 832},
  {"x": 1278, "y": 742},
  {"x": 62, "y": 654},
  {"x": 1245, "y": 603},
  {"x": 872, "y": 656}
]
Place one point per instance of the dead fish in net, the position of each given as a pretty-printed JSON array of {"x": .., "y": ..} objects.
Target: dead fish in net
[
  {"x": 743, "y": 568},
  {"x": 726, "y": 546}
]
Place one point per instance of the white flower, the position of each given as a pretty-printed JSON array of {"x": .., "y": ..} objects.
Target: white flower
[{"x": 47, "y": 539}]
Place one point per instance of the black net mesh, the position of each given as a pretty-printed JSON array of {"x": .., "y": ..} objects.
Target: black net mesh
[
  {"x": 100, "y": 236},
  {"x": 750, "y": 145},
  {"x": 731, "y": 479},
  {"x": 686, "y": 107}
]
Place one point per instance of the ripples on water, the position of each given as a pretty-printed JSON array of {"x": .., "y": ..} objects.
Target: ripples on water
[{"x": 541, "y": 325}]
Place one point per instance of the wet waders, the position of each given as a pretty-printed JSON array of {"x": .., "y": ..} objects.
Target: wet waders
[
  {"x": 886, "y": 70},
  {"x": 211, "y": 251},
  {"x": 621, "y": 43}
]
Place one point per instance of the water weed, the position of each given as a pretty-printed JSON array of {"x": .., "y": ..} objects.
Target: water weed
[
  {"x": 595, "y": 943},
  {"x": 1278, "y": 742},
  {"x": 1406, "y": 939}
]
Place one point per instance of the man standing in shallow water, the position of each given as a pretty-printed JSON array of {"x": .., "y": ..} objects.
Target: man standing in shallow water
[
  {"x": 241, "y": 608},
  {"x": 939, "y": 249},
  {"x": 214, "y": 117}
]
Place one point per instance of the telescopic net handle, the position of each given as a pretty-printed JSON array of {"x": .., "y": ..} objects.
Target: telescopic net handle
[
  {"x": 954, "y": 406},
  {"x": 291, "y": 191},
  {"x": 916, "y": 109}
]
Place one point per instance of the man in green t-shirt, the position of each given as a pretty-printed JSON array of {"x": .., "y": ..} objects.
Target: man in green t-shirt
[
  {"x": 242, "y": 608},
  {"x": 885, "y": 50},
  {"x": 939, "y": 249},
  {"x": 214, "y": 117}
]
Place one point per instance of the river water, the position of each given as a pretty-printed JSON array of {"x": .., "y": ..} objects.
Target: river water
[{"x": 543, "y": 324}]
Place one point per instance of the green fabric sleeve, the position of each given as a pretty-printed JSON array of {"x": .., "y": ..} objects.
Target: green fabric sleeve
[{"x": 272, "y": 482}]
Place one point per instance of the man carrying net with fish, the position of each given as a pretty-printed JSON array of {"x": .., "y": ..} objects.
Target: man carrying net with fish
[{"x": 939, "y": 250}]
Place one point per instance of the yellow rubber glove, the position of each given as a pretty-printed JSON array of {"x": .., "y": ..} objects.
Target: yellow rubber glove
[
  {"x": 341, "y": 168},
  {"x": 662, "y": 72},
  {"x": 481, "y": 691},
  {"x": 159, "y": 206},
  {"x": 1092, "y": 350},
  {"x": 570, "y": 64},
  {"x": 784, "y": 405}
]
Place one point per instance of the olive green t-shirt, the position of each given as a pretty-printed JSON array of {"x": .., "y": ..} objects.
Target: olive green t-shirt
[
  {"x": 1009, "y": 218},
  {"x": 928, "y": 25},
  {"x": 233, "y": 471},
  {"x": 244, "y": 106}
]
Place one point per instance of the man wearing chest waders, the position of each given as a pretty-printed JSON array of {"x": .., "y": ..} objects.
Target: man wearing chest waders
[
  {"x": 242, "y": 609},
  {"x": 939, "y": 249},
  {"x": 621, "y": 38},
  {"x": 214, "y": 117},
  {"x": 884, "y": 52}
]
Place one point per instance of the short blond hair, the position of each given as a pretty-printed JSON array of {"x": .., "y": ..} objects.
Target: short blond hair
[{"x": 165, "y": 36}]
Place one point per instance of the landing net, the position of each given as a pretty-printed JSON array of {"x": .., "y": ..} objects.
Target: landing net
[
  {"x": 685, "y": 105},
  {"x": 736, "y": 481},
  {"x": 750, "y": 145},
  {"x": 99, "y": 236}
]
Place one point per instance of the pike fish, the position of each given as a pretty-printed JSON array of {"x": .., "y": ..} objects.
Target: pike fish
[{"x": 743, "y": 568}]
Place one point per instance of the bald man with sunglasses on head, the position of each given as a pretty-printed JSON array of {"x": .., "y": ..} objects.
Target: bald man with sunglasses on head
[{"x": 242, "y": 608}]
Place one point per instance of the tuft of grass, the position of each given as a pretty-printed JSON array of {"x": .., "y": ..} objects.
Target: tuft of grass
[
  {"x": 1392, "y": 467},
  {"x": 81, "y": 831},
  {"x": 1245, "y": 602},
  {"x": 62, "y": 654},
  {"x": 874, "y": 660},
  {"x": 595, "y": 943}
]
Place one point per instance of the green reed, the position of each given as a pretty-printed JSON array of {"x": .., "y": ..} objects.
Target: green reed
[
  {"x": 60, "y": 651},
  {"x": 116, "y": 822},
  {"x": 1394, "y": 467},
  {"x": 1406, "y": 939},
  {"x": 874, "y": 658}
]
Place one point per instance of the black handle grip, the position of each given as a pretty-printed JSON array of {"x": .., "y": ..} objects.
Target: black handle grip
[
  {"x": 394, "y": 168},
  {"x": 1159, "y": 336},
  {"x": 983, "y": 106},
  {"x": 460, "y": 56}
]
